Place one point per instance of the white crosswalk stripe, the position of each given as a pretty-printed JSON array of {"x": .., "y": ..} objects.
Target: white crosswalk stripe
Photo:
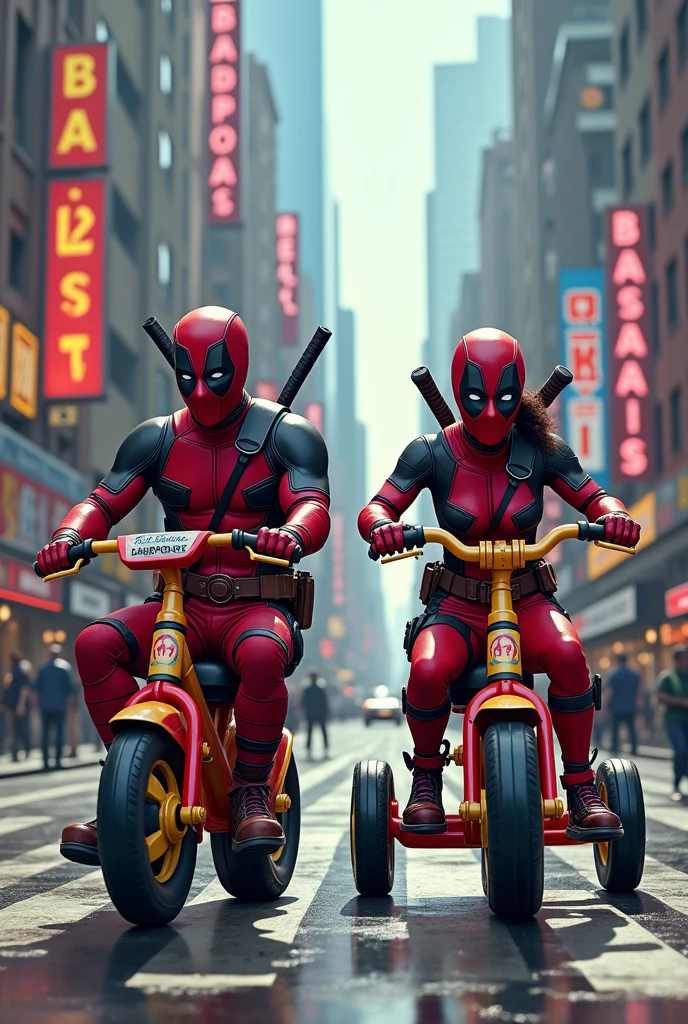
[
  {"x": 35, "y": 920},
  {"x": 18, "y": 824},
  {"x": 46, "y": 794},
  {"x": 33, "y": 862}
]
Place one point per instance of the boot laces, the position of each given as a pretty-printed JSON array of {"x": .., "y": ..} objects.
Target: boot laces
[
  {"x": 586, "y": 796},
  {"x": 426, "y": 786},
  {"x": 252, "y": 800}
]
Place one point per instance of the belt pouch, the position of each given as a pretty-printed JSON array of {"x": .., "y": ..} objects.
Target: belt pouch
[
  {"x": 546, "y": 577},
  {"x": 305, "y": 599},
  {"x": 430, "y": 581}
]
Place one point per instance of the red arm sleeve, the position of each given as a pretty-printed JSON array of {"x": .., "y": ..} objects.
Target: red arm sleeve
[
  {"x": 304, "y": 491},
  {"x": 93, "y": 518},
  {"x": 307, "y": 515},
  {"x": 412, "y": 473}
]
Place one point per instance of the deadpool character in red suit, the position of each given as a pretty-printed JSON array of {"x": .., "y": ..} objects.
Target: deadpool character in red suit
[
  {"x": 486, "y": 475},
  {"x": 282, "y": 492}
]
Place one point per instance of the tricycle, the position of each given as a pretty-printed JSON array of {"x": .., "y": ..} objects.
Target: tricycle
[
  {"x": 511, "y": 809},
  {"x": 167, "y": 774}
]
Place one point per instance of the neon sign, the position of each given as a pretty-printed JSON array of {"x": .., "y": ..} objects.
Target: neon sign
[
  {"x": 630, "y": 399},
  {"x": 224, "y": 134},
  {"x": 287, "y": 231}
]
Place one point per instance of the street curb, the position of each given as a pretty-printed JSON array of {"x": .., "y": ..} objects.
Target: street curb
[{"x": 66, "y": 766}]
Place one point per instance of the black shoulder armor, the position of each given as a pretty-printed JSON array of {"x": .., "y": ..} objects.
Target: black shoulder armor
[
  {"x": 141, "y": 453},
  {"x": 414, "y": 466},
  {"x": 258, "y": 422},
  {"x": 300, "y": 448},
  {"x": 562, "y": 462}
]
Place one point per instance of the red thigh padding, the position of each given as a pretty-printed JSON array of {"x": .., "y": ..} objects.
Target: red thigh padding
[
  {"x": 551, "y": 645},
  {"x": 109, "y": 653},
  {"x": 259, "y": 646},
  {"x": 439, "y": 655}
]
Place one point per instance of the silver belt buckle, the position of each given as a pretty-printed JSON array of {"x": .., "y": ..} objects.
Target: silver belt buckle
[{"x": 220, "y": 589}]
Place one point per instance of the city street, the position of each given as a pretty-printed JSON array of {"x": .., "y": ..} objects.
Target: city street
[{"x": 430, "y": 953}]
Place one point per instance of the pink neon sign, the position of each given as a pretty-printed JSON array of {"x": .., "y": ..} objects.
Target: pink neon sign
[
  {"x": 224, "y": 133},
  {"x": 629, "y": 354},
  {"x": 287, "y": 242}
]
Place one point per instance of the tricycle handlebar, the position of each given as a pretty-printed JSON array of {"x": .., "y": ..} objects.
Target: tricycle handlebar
[{"x": 416, "y": 536}]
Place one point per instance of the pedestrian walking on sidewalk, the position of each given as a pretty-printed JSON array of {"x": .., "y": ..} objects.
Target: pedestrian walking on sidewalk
[
  {"x": 54, "y": 687},
  {"x": 315, "y": 708},
  {"x": 672, "y": 691},
  {"x": 16, "y": 700},
  {"x": 623, "y": 686}
]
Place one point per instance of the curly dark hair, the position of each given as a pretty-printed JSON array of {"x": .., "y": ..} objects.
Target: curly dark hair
[{"x": 535, "y": 422}]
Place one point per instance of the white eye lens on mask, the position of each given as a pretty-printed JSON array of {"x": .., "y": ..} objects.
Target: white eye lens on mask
[
  {"x": 506, "y": 398},
  {"x": 216, "y": 375},
  {"x": 186, "y": 376},
  {"x": 473, "y": 397}
]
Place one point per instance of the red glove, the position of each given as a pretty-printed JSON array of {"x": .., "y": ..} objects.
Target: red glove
[
  {"x": 388, "y": 539},
  {"x": 619, "y": 528},
  {"x": 278, "y": 543},
  {"x": 54, "y": 557}
]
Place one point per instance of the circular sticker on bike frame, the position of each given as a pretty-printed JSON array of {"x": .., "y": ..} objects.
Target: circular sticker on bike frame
[
  {"x": 504, "y": 651},
  {"x": 165, "y": 650}
]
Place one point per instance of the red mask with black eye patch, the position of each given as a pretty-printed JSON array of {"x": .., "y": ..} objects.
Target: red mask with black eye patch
[
  {"x": 211, "y": 363},
  {"x": 488, "y": 375}
]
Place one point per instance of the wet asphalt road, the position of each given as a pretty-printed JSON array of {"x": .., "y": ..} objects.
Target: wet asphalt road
[{"x": 430, "y": 953}]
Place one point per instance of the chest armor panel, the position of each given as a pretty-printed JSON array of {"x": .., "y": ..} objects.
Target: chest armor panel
[{"x": 467, "y": 504}]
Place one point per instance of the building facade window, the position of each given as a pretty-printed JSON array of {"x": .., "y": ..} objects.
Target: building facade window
[
  {"x": 645, "y": 132},
  {"x": 22, "y": 82},
  {"x": 165, "y": 154},
  {"x": 123, "y": 366},
  {"x": 654, "y": 315},
  {"x": 682, "y": 33},
  {"x": 75, "y": 13},
  {"x": 125, "y": 225},
  {"x": 624, "y": 54},
  {"x": 165, "y": 270},
  {"x": 671, "y": 284},
  {"x": 627, "y": 168},
  {"x": 640, "y": 20},
  {"x": 19, "y": 263},
  {"x": 676, "y": 419},
  {"x": 102, "y": 31},
  {"x": 668, "y": 188},
  {"x": 165, "y": 75},
  {"x": 684, "y": 155},
  {"x": 659, "y": 438},
  {"x": 128, "y": 94},
  {"x": 663, "y": 78}
]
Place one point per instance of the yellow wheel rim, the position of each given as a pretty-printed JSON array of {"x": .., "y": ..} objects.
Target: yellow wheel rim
[
  {"x": 165, "y": 843},
  {"x": 603, "y": 848}
]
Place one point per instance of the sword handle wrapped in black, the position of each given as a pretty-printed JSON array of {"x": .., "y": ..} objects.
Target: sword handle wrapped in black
[
  {"x": 157, "y": 333},
  {"x": 425, "y": 383},
  {"x": 559, "y": 379},
  {"x": 304, "y": 366}
]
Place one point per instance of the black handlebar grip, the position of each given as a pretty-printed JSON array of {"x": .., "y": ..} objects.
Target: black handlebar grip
[
  {"x": 559, "y": 379},
  {"x": 77, "y": 551},
  {"x": 414, "y": 537},
  {"x": 241, "y": 540},
  {"x": 37, "y": 570},
  {"x": 590, "y": 531}
]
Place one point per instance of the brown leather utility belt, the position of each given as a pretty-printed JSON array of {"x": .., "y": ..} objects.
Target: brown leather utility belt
[
  {"x": 220, "y": 588},
  {"x": 540, "y": 579},
  {"x": 284, "y": 586}
]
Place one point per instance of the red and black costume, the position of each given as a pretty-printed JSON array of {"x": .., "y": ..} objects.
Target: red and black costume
[
  {"x": 186, "y": 459},
  {"x": 487, "y": 481}
]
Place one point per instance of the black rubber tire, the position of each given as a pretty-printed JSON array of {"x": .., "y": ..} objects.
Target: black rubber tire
[
  {"x": 122, "y": 829},
  {"x": 625, "y": 858},
  {"x": 515, "y": 829},
  {"x": 483, "y": 870},
  {"x": 372, "y": 845},
  {"x": 260, "y": 878}
]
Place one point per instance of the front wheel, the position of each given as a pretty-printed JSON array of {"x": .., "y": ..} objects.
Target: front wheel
[
  {"x": 148, "y": 857},
  {"x": 372, "y": 845},
  {"x": 514, "y": 864},
  {"x": 260, "y": 878},
  {"x": 619, "y": 864}
]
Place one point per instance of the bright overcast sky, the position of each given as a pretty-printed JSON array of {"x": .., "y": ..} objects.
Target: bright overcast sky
[{"x": 379, "y": 56}]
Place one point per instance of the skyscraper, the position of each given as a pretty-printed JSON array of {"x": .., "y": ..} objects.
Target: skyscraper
[
  {"x": 471, "y": 100},
  {"x": 287, "y": 37}
]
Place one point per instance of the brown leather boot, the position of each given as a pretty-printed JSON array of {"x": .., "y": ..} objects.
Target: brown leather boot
[
  {"x": 80, "y": 843},
  {"x": 255, "y": 830},
  {"x": 590, "y": 820},
  {"x": 424, "y": 812}
]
